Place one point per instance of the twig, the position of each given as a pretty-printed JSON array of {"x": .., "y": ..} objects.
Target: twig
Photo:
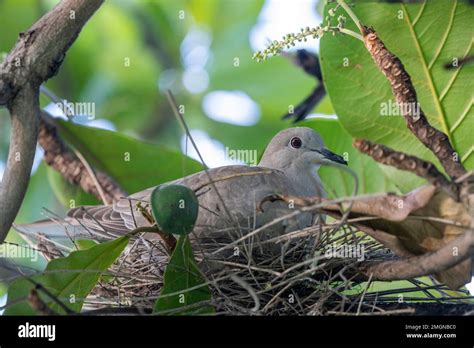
[
  {"x": 351, "y": 14},
  {"x": 168, "y": 239},
  {"x": 93, "y": 176},
  {"x": 399, "y": 160},
  {"x": 174, "y": 107},
  {"x": 392, "y": 312},
  {"x": 53, "y": 297},
  {"x": 249, "y": 289},
  {"x": 58, "y": 155},
  {"x": 405, "y": 94},
  {"x": 428, "y": 263},
  {"x": 24, "y": 112}
]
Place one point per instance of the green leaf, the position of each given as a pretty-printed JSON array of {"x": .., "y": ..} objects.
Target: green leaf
[
  {"x": 68, "y": 194},
  {"x": 83, "y": 244},
  {"x": 134, "y": 164},
  {"x": 337, "y": 182},
  {"x": 70, "y": 279},
  {"x": 409, "y": 290},
  {"x": 183, "y": 273},
  {"x": 425, "y": 36}
]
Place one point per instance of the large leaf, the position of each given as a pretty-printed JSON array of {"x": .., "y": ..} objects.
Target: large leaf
[
  {"x": 407, "y": 289},
  {"x": 425, "y": 36},
  {"x": 337, "y": 182},
  {"x": 70, "y": 279},
  {"x": 182, "y": 273},
  {"x": 134, "y": 164},
  {"x": 68, "y": 194}
]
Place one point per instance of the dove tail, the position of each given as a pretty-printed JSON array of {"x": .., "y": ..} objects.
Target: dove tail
[{"x": 60, "y": 232}]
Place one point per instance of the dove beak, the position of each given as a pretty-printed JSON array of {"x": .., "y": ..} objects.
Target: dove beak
[{"x": 331, "y": 156}]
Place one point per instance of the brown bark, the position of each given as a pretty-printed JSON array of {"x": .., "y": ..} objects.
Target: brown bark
[
  {"x": 405, "y": 94},
  {"x": 425, "y": 227},
  {"x": 24, "y": 111},
  {"x": 448, "y": 256},
  {"x": 61, "y": 158},
  {"x": 399, "y": 160},
  {"x": 41, "y": 49},
  {"x": 35, "y": 58}
]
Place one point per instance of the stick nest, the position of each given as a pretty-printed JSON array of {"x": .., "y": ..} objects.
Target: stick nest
[{"x": 300, "y": 279}]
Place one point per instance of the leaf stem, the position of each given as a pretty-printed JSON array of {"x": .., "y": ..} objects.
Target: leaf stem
[
  {"x": 168, "y": 239},
  {"x": 352, "y": 15},
  {"x": 351, "y": 33}
]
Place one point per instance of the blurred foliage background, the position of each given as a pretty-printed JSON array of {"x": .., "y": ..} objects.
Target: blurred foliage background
[{"x": 130, "y": 52}]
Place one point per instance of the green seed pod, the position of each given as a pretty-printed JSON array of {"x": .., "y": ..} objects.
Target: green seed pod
[{"x": 175, "y": 208}]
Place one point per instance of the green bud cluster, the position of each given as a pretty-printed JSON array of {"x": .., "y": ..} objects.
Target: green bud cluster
[{"x": 289, "y": 40}]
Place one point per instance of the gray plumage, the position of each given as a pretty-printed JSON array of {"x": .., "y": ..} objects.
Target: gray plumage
[{"x": 283, "y": 169}]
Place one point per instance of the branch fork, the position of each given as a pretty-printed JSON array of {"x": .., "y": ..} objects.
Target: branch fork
[{"x": 35, "y": 58}]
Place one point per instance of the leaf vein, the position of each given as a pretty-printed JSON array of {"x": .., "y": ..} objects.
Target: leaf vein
[
  {"x": 461, "y": 118},
  {"x": 429, "y": 77},
  {"x": 446, "y": 34}
]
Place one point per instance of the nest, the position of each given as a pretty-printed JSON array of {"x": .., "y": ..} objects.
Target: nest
[{"x": 306, "y": 277}]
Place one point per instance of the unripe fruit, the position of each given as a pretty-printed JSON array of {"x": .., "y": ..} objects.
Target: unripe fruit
[{"x": 175, "y": 208}]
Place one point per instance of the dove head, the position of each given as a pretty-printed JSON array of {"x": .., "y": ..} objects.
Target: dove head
[{"x": 298, "y": 149}]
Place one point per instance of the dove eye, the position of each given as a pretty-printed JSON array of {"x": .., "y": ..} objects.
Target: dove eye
[{"x": 296, "y": 142}]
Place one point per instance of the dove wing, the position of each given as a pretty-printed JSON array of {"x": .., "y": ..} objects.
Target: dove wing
[{"x": 241, "y": 188}]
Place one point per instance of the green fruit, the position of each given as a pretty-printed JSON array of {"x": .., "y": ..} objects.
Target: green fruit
[{"x": 175, "y": 208}]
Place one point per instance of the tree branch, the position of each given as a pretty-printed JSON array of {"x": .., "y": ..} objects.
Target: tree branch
[
  {"x": 61, "y": 158},
  {"x": 399, "y": 160},
  {"x": 405, "y": 94},
  {"x": 41, "y": 49},
  {"x": 35, "y": 58},
  {"x": 446, "y": 259},
  {"x": 440, "y": 260},
  {"x": 24, "y": 117}
]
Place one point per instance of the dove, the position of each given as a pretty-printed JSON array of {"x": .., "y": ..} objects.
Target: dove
[{"x": 228, "y": 196}]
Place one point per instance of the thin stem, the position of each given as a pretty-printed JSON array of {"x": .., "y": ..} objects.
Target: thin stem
[
  {"x": 352, "y": 15},
  {"x": 351, "y": 33},
  {"x": 168, "y": 239}
]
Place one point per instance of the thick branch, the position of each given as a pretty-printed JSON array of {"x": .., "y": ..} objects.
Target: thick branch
[
  {"x": 405, "y": 94},
  {"x": 41, "y": 49},
  {"x": 35, "y": 58},
  {"x": 24, "y": 112},
  {"x": 440, "y": 260},
  {"x": 399, "y": 160},
  {"x": 62, "y": 159},
  {"x": 390, "y": 207}
]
